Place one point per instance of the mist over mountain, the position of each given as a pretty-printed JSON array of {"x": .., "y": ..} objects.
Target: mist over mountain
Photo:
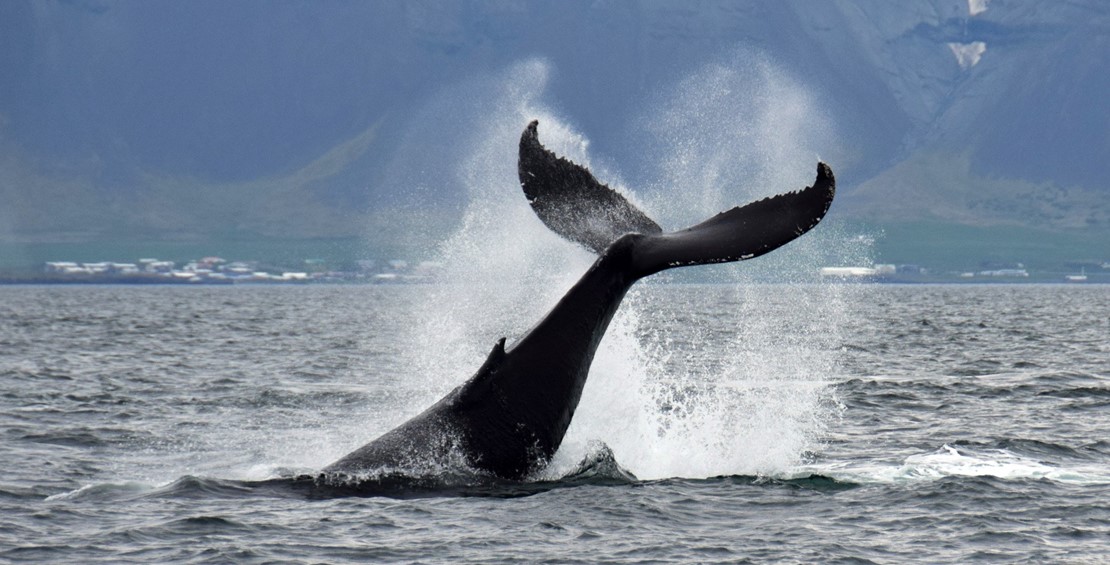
[{"x": 203, "y": 120}]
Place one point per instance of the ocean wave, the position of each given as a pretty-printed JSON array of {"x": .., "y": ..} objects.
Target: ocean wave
[
  {"x": 104, "y": 492},
  {"x": 966, "y": 460}
]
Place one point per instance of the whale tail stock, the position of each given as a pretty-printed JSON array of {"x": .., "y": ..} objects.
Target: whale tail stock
[{"x": 572, "y": 203}]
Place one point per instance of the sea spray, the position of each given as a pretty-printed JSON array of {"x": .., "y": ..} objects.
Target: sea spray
[
  {"x": 737, "y": 129},
  {"x": 721, "y": 140},
  {"x": 502, "y": 269},
  {"x": 706, "y": 380},
  {"x": 731, "y": 133}
]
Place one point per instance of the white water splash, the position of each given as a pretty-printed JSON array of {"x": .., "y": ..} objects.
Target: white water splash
[
  {"x": 748, "y": 396},
  {"x": 734, "y": 131},
  {"x": 504, "y": 269},
  {"x": 754, "y": 398},
  {"x": 762, "y": 401}
]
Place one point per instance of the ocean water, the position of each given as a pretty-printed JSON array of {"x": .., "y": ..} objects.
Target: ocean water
[{"x": 724, "y": 423}]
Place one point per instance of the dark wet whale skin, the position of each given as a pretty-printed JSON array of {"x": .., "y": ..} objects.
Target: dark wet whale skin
[{"x": 511, "y": 416}]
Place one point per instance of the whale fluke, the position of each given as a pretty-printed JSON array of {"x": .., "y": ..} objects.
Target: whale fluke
[
  {"x": 743, "y": 232},
  {"x": 571, "y": 202}
]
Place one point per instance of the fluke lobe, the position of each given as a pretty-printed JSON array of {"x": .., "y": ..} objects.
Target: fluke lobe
[{"x": 510, "y": 417}]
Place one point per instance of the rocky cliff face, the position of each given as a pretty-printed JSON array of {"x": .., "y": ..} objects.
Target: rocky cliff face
[{"x": 976, "y": 111}]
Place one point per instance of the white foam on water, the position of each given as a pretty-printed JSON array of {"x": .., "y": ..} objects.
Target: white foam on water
[
  {"x": 119, "y": 490},
  {"x": 948, "y": 461}
]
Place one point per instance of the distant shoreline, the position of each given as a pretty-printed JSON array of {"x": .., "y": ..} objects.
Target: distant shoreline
[
  {"x": 144, "y": 280},
  {"x": 156, "y": 280}
]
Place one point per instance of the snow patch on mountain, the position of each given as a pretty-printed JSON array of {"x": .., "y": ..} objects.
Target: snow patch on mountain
[
  {"x": 968, "y": 54},
  {"x": 976, "y": 7}
]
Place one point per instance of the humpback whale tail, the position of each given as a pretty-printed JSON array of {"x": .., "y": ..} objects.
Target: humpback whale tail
[
  {"x": 511, "y": 416},
  {"x": 572, "y": 203}
]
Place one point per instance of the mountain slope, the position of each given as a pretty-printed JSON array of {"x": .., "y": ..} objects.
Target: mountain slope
[{"x": 199, "y": 119}]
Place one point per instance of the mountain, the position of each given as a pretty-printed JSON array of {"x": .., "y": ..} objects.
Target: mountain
[{"x": 204, "y": 120}]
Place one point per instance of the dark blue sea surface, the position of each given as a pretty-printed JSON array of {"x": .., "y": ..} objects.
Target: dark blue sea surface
[{"x": 721, "y": 424}]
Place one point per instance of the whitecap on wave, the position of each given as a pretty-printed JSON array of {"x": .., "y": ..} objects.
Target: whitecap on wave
[{"x": 948, "y": 461}]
